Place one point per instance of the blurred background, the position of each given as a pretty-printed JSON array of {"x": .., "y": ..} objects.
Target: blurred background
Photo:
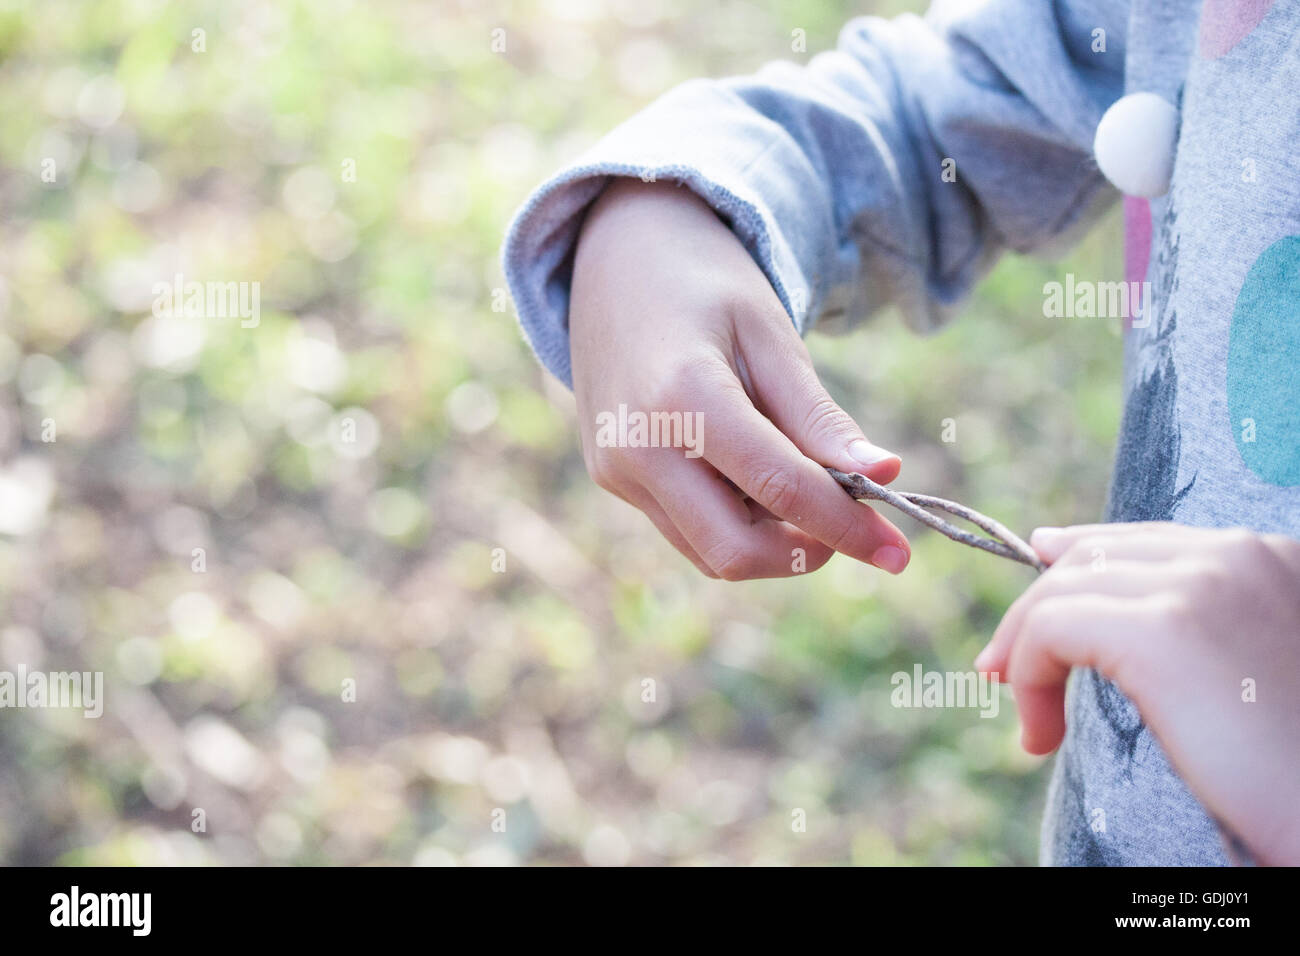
[{"x": 278, "y": 543}]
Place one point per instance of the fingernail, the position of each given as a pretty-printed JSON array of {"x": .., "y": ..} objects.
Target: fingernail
[
  {"x": 890, "y": 558},
  {"x": 1043, "y": 537},
  {"x": 866, "y": 453}
]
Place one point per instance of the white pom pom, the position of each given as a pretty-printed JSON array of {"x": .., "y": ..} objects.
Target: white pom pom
[{"x": 1135, "y": 144}]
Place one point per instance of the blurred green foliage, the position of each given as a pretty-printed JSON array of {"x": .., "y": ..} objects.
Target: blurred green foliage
[{"x": 325, "y": 562}]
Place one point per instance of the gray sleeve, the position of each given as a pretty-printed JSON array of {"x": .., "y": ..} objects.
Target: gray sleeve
[{"x": 895, "y": 168}]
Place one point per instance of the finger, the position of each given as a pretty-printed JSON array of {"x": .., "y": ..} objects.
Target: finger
[
  {"x": 786, "y": 388},
  {"x": 622, "y": 483},
  {"x": 1121, "y": 579},
  {"x": 622, "y": 486},
  {"x": 645, "y": 502},
  {"x": 720, "y": 527},
  {"x": 765, "y": 464},
  {"x": 1087, "y": 630},
  {"x": 1099, "y": 553},
  {"x": 1051, "y": 543}
]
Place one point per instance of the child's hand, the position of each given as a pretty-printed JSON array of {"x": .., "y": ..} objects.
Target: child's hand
[
  {"x": 1191, "y": 624},
  {"x": 670, "y": 314}
]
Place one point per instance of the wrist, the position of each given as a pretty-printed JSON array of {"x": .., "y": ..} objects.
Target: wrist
[{"x": 631, "y": 209}]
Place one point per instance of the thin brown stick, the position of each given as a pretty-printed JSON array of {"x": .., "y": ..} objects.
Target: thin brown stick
[{"x": 1003, "y": 542}]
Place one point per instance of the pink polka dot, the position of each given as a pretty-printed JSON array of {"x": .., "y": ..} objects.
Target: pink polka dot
[
  {"x": 1137, "y": 243},
  {"x": 1225, "y": 23}
]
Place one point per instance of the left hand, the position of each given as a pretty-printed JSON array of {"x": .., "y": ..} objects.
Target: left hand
[{"x": 1184, "y": 621}]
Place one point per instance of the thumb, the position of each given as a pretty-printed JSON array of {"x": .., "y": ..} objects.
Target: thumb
[{"x": 784, "y": 386}]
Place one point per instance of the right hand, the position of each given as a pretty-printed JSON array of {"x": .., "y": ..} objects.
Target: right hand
[{"x": 670, "y": 314}]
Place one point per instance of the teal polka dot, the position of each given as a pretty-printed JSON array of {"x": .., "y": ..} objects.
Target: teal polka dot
[{"x": 1264, "y": 365}]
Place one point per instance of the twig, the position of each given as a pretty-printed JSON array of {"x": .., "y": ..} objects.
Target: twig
[{"x": 1003, "y": 542}]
